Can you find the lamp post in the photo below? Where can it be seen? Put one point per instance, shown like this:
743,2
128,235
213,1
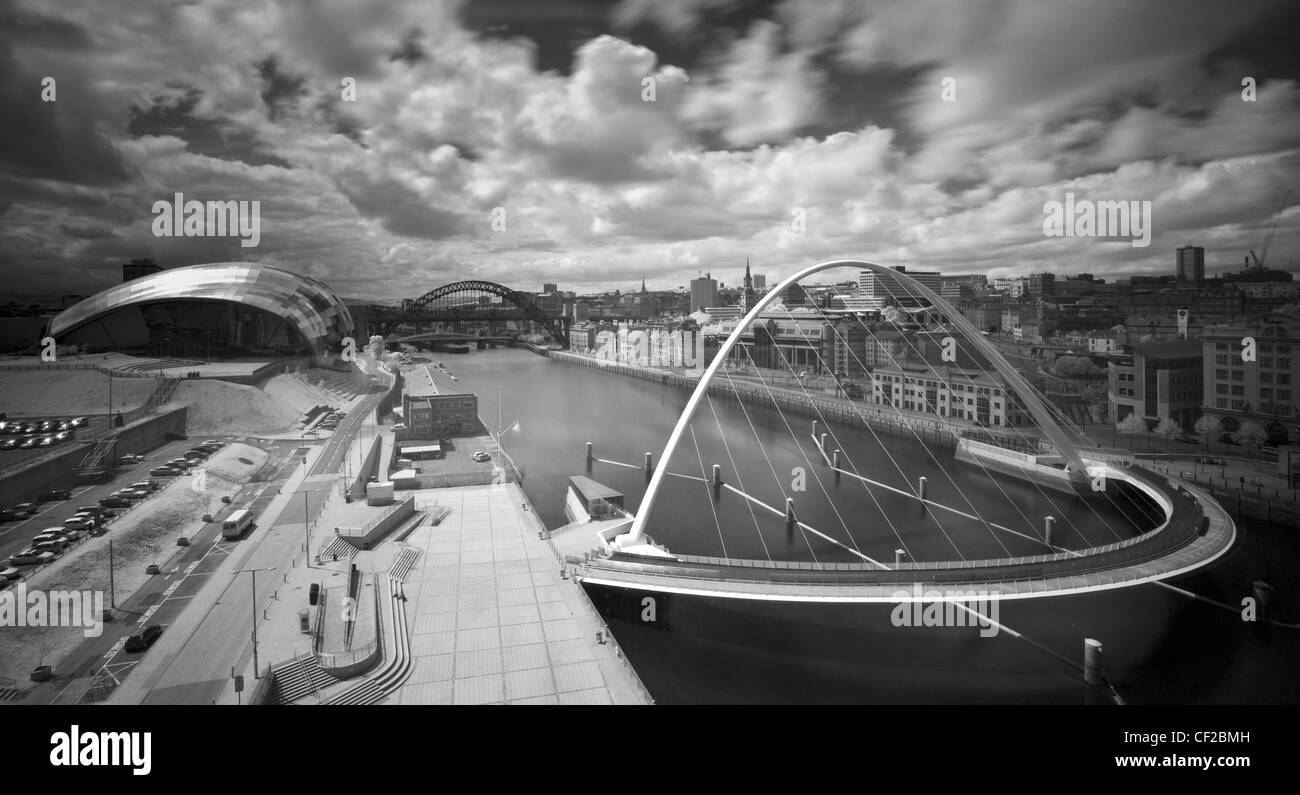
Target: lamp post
253,606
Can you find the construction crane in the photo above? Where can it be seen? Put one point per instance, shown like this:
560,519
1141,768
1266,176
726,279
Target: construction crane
1268,238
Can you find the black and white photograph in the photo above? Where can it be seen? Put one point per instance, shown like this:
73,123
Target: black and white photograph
818,353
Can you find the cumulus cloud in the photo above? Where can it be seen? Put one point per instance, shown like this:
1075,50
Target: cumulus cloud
394,190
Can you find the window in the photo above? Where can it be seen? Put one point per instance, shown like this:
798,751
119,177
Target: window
1266,361
1221,346
1238,375
1266,378
1265,394
1284,349
1284,394
1221,403
1238,389
1284,364
1284,379
1237,405
1221,389
1221,358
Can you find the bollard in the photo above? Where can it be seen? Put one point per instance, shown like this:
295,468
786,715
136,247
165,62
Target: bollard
717,481
835,464
1263,593
1092,661
564,573
600,637
899,554
1049,524
649,466
814,433
821,444
789,513
920,488
589,456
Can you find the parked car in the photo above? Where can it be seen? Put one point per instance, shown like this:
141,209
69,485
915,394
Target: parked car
182,464
27,508
81,522
8,444
481,456
54,495
164,471
151,485
195,455
112,501
79,422
10,515
11,573
30,557
51,542
29,442
96,511
143,640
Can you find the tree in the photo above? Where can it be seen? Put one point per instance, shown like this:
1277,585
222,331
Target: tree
1132,424
1167,429
376,347
1250,434
1208,428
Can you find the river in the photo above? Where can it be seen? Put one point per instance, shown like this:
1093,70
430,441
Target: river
1212,656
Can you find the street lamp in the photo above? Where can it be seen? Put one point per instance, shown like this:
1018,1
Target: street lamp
253,605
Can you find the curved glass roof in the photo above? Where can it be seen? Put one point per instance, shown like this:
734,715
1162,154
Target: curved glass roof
318,314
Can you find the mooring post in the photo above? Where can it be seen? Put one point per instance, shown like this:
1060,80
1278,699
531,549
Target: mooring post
899,554
815,426
920,488
835,464
1092,661
590,456
717,481
1263,593
649,466
789,513
822,442
1049,524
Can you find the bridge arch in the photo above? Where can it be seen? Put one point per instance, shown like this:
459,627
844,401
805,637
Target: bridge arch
556,326
1047,423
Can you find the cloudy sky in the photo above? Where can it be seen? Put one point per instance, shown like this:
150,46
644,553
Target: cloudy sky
535,114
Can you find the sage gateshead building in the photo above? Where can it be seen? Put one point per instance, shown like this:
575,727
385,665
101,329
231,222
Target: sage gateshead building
219,310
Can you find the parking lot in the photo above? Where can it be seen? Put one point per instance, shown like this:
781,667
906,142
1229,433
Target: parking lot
16,536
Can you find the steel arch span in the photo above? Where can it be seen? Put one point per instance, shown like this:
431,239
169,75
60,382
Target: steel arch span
436,304
1015,380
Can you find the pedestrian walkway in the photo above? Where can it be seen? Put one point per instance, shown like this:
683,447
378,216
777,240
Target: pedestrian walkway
493,619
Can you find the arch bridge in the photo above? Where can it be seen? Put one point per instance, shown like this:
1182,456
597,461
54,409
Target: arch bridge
453,307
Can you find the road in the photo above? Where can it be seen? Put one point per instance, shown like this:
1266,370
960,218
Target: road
198,671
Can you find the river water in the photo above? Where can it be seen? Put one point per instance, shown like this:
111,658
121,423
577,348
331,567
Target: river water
1211,656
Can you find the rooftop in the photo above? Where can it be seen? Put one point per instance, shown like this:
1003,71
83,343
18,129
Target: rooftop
421,382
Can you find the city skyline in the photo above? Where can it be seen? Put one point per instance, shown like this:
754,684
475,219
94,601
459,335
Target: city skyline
396,148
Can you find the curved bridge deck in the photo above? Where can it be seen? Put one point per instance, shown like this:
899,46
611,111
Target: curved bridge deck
1197,531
